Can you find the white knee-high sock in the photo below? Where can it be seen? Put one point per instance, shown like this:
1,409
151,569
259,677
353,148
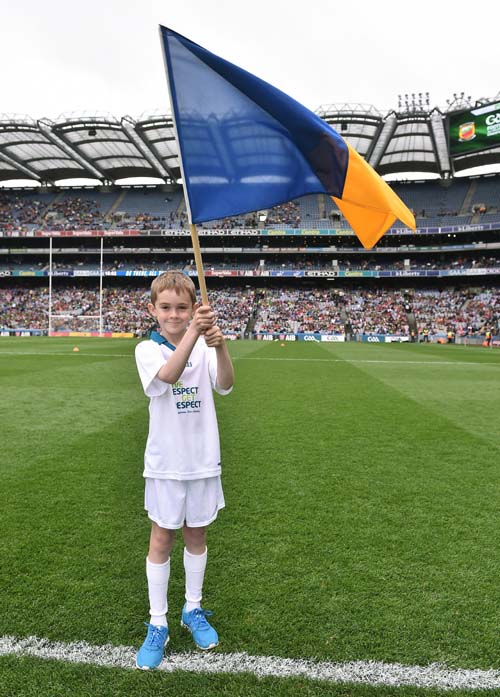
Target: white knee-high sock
158,575
194,566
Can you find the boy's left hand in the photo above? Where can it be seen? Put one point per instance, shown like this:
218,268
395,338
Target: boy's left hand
214,337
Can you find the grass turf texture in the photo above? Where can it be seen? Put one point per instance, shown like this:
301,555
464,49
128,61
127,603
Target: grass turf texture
362,493
25,677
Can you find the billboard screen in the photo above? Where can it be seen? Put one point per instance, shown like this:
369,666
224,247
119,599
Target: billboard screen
474,130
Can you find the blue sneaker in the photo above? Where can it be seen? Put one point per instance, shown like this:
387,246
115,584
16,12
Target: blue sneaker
150,655
204,635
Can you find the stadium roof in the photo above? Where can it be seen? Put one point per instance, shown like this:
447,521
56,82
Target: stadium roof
80,146
105,148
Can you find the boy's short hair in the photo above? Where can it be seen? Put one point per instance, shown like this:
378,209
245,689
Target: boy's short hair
173,280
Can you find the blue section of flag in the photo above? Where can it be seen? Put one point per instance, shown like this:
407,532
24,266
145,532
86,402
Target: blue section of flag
245,145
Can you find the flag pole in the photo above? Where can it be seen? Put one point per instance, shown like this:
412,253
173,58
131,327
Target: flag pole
192,227
199,263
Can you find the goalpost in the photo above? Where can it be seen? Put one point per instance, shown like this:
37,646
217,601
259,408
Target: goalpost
76,319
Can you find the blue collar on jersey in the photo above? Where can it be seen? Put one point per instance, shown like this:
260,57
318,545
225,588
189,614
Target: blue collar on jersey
156,336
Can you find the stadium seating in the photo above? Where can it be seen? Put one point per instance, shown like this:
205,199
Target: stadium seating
274,310
487,192
434,203
467,297
155,204
433,198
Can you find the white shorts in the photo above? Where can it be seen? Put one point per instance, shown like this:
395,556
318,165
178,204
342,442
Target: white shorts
171,503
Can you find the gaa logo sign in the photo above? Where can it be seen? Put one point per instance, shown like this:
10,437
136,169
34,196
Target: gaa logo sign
493,119
467,131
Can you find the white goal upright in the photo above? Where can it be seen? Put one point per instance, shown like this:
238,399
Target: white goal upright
74,322
72,317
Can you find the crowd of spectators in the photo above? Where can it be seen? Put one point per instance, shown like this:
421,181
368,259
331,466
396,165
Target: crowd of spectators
285,214
293,311
20,214
288,310
72,209
146,221
378,311
228,262
73,213
481,309
123,310
17,213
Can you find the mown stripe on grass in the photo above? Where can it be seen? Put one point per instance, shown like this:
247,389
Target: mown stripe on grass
356,360
373,673
84,354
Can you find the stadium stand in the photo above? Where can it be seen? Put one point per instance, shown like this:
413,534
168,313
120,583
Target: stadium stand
149,208
433,203
285,310
486,193
450,277
260,266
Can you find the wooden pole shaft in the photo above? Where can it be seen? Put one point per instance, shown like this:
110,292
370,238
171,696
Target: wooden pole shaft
199,263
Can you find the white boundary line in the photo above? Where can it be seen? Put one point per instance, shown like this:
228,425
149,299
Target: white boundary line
373,673
69,352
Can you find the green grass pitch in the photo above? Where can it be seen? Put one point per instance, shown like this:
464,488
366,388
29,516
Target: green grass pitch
362,487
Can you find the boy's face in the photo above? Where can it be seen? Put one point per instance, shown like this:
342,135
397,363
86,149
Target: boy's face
173,312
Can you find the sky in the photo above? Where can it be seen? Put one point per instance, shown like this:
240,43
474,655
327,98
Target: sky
59,56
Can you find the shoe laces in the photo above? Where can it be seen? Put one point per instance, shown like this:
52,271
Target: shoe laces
199,620
156,639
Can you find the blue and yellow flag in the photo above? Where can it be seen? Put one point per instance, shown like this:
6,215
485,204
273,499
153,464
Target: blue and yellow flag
246,146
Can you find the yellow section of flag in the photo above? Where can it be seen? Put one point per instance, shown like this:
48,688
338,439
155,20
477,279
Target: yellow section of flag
368,203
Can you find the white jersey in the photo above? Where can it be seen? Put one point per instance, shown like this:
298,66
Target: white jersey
183,439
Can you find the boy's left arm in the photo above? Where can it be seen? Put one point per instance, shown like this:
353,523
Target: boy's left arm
225,372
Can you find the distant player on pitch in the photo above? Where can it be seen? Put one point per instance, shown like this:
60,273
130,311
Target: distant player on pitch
179,367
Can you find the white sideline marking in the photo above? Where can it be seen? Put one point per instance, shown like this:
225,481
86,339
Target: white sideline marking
254,358
69,352
435,675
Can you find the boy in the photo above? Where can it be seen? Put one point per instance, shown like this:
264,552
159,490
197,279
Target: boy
179,370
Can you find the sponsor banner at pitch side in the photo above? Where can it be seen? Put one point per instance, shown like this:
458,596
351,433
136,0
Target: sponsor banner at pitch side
384,338
301,336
